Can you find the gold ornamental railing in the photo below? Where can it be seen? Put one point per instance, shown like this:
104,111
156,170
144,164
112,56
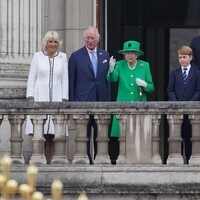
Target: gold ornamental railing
9,188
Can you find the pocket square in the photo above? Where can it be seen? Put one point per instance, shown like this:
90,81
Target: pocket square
105,61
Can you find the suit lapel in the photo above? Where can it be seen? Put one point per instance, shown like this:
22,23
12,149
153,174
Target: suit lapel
99,59
190,75
88,60
180,76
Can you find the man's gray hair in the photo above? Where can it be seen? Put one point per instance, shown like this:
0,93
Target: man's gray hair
91,28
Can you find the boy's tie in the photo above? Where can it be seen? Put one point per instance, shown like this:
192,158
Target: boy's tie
94,62
184,75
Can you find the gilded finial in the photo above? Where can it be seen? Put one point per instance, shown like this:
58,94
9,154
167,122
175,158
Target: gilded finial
25,191
37,196
83,196
32,172
8,187
56,189
11,186
6,163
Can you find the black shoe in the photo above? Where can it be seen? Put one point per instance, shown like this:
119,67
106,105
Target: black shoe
113,162
91,162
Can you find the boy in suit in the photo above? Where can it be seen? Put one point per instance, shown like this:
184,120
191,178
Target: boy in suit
184,85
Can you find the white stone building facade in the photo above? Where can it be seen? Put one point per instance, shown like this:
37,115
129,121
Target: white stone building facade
22,26
23,23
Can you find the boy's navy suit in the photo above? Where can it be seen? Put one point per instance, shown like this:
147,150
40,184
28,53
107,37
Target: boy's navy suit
189,91
178,91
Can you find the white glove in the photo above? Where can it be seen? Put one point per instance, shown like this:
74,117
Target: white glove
141,83
112,63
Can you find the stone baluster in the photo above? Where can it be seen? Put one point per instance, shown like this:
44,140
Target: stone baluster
195,122
1,119
59,139
81,139
102,156
122,140
139,138
156,139
38,139
130,138
175,122
16,140
71,143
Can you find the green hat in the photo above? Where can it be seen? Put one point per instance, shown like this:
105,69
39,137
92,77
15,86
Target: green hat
131,46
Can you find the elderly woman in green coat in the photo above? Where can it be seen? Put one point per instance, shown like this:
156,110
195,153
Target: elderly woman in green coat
133,76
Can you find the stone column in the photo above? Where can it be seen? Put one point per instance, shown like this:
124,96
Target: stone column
156,139
20,36
139,139
80,15
60,139
1,119
102,156
38,139
195,122
81,139
16,140
20,28
175,122
122,140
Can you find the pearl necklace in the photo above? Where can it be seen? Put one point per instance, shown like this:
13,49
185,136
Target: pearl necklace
132,67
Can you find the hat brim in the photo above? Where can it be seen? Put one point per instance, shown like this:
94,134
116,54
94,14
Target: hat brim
131,50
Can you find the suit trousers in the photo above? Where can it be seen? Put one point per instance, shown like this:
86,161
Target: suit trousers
91,124
186,134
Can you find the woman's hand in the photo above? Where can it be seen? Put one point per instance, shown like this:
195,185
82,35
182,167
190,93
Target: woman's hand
112,63
30,99
65,100
141,83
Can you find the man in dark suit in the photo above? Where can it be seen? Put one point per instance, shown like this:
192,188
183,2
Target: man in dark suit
195,46
88,68
184,85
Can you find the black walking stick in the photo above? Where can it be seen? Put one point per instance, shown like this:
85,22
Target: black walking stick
140,88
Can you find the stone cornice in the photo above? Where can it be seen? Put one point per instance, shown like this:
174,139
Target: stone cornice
162,107
14,71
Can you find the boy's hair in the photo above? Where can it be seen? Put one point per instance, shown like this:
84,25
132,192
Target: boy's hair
185,50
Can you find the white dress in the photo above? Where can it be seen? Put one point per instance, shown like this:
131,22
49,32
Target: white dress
47,81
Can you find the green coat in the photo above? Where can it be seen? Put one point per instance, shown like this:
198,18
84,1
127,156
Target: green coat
127,87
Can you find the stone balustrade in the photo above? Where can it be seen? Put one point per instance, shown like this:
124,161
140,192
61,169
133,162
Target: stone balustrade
140,140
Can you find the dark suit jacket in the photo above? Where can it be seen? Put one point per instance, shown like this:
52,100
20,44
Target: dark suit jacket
195,45
83,85
178,91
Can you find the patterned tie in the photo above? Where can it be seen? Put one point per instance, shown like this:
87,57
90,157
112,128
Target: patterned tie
184,75
94,62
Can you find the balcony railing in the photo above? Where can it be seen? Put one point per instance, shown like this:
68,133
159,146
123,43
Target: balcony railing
140,124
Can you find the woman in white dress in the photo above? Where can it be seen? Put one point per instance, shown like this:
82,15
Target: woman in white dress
48,81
